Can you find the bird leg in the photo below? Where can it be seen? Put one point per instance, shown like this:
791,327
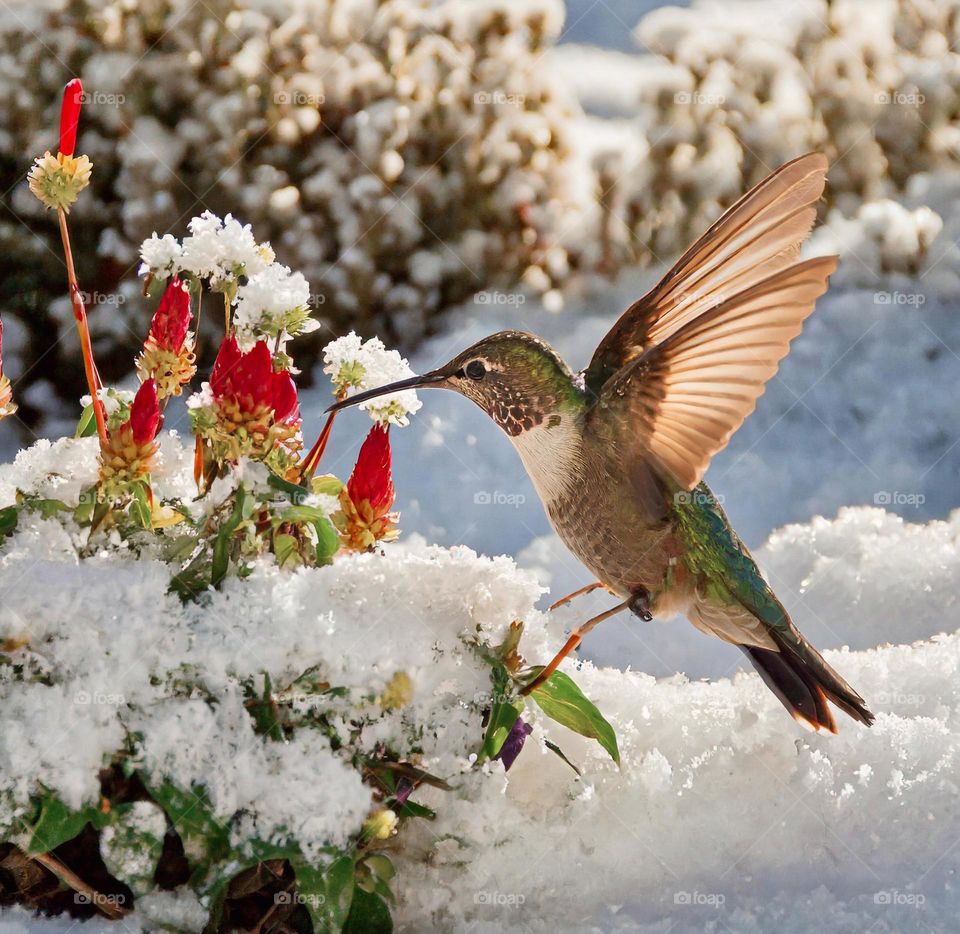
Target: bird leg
639,605
590,588
576,637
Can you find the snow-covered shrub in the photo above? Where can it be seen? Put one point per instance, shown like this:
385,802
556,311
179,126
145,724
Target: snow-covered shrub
403,154
197,715
741,86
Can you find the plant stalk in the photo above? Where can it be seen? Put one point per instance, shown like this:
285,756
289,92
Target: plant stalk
83,329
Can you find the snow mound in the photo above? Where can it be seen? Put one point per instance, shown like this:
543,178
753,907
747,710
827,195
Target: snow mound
724,814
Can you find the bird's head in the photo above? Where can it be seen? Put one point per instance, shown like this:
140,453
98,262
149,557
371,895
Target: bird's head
518,379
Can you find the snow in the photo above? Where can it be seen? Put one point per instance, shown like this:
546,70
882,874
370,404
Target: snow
861,825
725,814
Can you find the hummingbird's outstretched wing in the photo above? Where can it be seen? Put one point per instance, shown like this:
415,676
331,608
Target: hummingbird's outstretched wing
678,403
758,236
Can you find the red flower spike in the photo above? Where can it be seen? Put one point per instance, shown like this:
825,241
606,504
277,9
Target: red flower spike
145,413
371,479
172,319
70,116
248,380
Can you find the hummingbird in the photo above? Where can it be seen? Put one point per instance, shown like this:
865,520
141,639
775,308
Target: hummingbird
617,452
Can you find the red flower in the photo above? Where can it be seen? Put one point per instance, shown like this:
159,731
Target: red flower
70,116
248,382
172,319
166,355
365,518
127,452
371,479
145,413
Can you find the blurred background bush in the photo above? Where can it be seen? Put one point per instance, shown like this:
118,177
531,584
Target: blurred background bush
407,155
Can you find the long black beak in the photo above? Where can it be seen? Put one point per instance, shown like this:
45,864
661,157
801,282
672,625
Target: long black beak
414,382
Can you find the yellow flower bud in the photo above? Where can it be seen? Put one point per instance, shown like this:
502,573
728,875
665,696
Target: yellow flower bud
398,692
380,826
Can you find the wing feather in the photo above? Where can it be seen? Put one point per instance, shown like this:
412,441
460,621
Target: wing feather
687,395
758,236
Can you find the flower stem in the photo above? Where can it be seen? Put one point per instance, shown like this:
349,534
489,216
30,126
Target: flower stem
310,462
196,327
83,329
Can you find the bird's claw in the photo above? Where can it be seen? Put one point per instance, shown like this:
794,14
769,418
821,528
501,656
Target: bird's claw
640,606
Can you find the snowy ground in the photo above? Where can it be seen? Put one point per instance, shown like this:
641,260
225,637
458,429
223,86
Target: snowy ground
725,815
789,831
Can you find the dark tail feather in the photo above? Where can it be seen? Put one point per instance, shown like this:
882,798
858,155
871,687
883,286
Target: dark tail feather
804,683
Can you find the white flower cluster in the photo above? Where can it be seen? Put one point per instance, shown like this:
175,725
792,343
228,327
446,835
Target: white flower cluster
269,300
216,250
355,365
403,155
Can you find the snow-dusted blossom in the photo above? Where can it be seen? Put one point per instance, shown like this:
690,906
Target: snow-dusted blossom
7,405
223,250
126,455
273,303
202,251
115,402
168,355
355,365
366,499
218,250
239,249
160,256
248,409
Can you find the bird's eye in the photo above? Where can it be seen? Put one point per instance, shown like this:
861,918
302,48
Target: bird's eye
475,369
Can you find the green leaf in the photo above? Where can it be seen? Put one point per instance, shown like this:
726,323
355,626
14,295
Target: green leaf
101,512
48,508
327,484
303,514
561,700
327,540
264,710
83,514
327,893
224,539
87,425
502,719
8,521
369,914
57,823
140,510
192,581
295,493
285,549
412,809
504,712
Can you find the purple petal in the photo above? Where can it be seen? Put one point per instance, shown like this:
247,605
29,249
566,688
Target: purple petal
514,743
